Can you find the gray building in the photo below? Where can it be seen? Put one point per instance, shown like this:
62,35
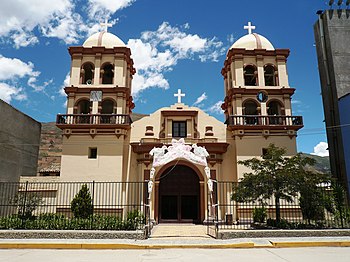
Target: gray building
332,35
19,140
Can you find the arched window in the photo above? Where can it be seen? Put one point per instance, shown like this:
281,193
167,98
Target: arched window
270,75
107,106
274,110
107,74
107,111
87,74
83,107
250,110
250,78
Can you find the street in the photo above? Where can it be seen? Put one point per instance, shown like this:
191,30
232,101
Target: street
309,254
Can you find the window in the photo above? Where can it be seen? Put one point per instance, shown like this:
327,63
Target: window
92,152
250,110
270,75
179,129
87,74
250,75
265,153
274,108
84,107
107,74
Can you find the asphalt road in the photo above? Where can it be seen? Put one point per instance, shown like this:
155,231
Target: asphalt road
319,254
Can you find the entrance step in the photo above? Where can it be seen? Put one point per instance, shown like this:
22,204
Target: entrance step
179,230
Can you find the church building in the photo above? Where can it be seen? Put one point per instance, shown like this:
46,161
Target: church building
179,150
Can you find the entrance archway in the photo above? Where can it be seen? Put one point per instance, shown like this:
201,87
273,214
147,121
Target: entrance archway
179,195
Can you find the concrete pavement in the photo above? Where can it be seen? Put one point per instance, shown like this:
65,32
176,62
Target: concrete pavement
309,254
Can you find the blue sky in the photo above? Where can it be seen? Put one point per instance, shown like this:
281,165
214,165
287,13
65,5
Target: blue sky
175,44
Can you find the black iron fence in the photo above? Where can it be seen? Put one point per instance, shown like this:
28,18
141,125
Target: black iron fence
96,205
323,212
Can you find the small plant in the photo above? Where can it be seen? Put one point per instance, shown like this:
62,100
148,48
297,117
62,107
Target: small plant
81,204
26,204
259,214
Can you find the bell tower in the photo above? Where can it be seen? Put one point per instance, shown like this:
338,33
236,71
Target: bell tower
257,101
97,124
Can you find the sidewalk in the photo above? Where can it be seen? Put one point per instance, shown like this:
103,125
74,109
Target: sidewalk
174,242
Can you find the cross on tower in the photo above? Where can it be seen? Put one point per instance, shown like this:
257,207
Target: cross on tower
249,27
106,25
179,95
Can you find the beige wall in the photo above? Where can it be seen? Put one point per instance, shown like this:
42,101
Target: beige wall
76,166
251,146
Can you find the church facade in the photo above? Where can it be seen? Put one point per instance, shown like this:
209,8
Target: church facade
104,141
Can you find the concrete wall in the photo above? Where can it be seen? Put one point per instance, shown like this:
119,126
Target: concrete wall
20,139
332,34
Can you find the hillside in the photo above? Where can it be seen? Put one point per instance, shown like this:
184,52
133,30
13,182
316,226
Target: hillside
51,148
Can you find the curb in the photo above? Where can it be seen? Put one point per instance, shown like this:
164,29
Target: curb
182,246
311,244
119,246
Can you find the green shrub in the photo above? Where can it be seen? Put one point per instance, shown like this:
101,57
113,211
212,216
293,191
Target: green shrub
81,204
259,214
51,221
26,204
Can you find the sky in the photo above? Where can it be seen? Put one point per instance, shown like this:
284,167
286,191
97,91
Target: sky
174,44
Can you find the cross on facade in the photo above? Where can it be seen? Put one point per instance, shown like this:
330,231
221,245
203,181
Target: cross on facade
179,95
249,27
106,25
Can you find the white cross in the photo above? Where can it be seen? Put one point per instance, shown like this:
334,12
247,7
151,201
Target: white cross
249,27
179,95
106,25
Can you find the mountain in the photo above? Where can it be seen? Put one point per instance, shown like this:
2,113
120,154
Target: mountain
322,164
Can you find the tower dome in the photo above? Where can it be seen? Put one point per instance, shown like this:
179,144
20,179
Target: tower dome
253,41
104,39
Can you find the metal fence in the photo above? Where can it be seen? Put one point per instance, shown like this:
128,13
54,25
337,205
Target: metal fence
115,205
227,214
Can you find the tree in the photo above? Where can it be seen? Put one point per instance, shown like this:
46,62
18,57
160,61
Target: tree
312,202
274,175
81,204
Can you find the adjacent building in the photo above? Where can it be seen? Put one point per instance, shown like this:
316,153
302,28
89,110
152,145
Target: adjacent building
19,139
332,35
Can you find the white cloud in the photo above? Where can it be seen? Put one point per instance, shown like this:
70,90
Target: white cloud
201,99
216,108
7,93
296,102
65,83
157,52
103,8
52,18
14,68
22,22
321,149
13,71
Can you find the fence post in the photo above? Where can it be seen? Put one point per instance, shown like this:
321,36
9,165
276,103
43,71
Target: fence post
92,202
24,203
